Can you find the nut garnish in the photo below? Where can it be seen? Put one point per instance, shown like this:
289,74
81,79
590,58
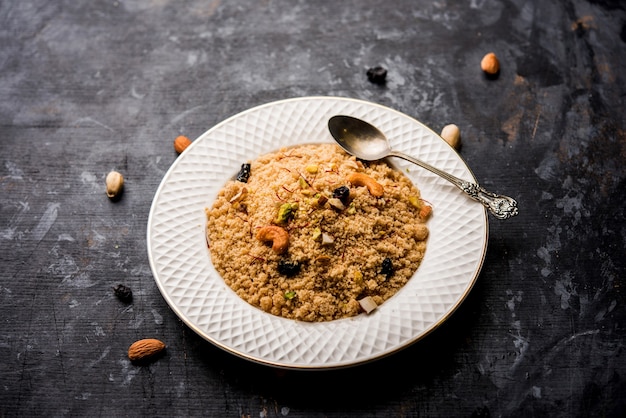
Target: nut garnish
181,143
490,64
452,135
145,349
276,235
368,304
360,179
114,183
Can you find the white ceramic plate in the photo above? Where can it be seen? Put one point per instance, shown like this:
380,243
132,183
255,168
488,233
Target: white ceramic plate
181,262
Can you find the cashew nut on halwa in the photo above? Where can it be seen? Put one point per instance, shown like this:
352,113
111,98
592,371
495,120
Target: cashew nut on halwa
276,235
360,179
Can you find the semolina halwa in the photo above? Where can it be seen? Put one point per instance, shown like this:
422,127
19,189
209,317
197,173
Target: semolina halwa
307,232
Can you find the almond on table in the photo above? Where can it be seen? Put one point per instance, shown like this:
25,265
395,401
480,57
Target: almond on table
145,349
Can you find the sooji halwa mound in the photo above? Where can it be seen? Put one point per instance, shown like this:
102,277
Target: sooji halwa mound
310,233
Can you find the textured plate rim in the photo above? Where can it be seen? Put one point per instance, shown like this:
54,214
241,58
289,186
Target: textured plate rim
259,358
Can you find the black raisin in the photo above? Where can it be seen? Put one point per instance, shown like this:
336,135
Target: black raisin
377,75
387,269
244,173
342,193
123,293
288,268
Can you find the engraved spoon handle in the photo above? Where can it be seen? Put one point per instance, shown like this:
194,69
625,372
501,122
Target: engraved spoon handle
502,207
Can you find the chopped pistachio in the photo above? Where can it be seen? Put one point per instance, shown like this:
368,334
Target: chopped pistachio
286,212
320,200
311,168
303,184
415,202
351,208
317,234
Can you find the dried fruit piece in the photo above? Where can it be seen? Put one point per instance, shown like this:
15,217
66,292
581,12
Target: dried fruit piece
114,183
425,211
342,193
238,195
319,201
244,173
336,203
276,235
145,349
368,304
323,259
452,135
327,239
286,212
490,64
361,179
123,293
377,75
288,268
387,267
181,143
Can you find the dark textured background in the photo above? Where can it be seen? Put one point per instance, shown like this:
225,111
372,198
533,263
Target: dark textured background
87,87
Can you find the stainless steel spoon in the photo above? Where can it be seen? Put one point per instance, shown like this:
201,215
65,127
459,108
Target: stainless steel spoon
366,142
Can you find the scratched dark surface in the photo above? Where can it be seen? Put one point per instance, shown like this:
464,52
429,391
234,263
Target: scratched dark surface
87,87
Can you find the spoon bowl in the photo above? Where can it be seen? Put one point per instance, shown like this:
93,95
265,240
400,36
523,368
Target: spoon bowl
368,143
359,138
